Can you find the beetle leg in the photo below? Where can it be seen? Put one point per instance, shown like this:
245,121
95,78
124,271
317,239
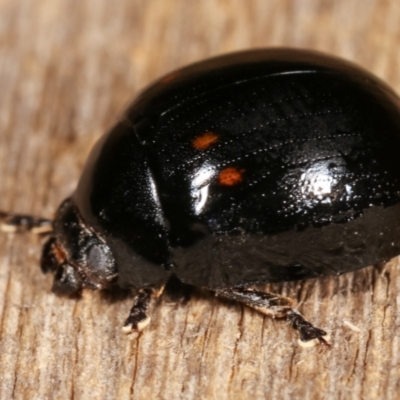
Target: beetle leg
12,223
276,306
157,292
138,318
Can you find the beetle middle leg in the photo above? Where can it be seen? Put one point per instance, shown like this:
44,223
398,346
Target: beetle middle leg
11,223
138,318
276,306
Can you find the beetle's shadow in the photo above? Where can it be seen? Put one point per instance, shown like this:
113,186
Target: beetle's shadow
351,283
116,294
175,291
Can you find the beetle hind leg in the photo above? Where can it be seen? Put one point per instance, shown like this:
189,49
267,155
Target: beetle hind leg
16,223
276,306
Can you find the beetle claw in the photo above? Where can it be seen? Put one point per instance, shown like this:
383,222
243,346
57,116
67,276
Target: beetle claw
323,341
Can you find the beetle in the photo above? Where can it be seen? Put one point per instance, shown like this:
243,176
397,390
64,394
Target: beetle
259,166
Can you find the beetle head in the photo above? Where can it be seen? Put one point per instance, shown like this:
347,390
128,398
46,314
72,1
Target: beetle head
76,255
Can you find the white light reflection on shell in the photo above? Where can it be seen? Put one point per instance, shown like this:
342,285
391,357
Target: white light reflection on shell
200,186
318,182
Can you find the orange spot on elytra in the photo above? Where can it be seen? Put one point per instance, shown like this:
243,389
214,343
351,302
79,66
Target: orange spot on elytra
204,141
230,176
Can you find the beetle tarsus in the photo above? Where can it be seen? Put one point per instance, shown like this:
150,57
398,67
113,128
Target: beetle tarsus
16,223
306,329
138,318
276,306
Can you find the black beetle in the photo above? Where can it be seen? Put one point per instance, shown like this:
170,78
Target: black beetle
254,167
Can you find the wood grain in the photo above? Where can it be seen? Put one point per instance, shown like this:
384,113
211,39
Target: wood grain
67,68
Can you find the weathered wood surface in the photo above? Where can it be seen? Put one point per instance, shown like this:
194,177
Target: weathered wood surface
67,68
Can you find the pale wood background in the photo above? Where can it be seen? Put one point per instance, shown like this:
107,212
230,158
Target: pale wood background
67,68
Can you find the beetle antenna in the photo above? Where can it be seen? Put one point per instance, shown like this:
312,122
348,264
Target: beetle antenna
16,223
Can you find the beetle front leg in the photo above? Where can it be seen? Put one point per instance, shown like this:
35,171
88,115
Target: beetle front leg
16,223
138,318
276,306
